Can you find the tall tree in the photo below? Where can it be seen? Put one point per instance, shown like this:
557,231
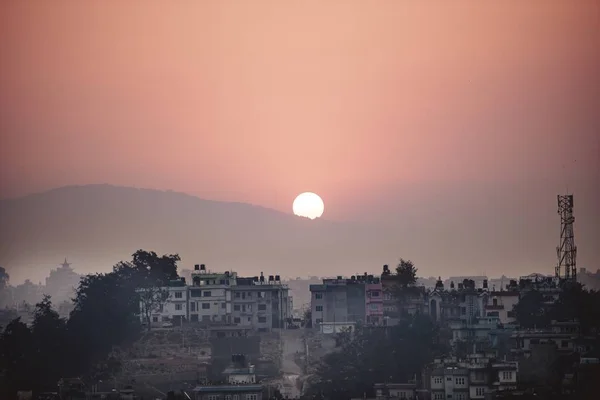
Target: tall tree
150,274
50,345
531,311
4,278
406,273
16,355
373,355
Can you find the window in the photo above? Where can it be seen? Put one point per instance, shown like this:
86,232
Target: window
460,380
236,397
449,379
206,306
460,396
178,295
206,293
262,307
249,295
506,375
319,308
479,391
243,308
236,307
161,308
154,319
236,320
252,396
318,296
375,294
262,320
438,396
192,306
178,307
212,397
438,380
564,344
463,310
196,293
227,397
223,305
237,295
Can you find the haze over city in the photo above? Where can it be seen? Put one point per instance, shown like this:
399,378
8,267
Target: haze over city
439,132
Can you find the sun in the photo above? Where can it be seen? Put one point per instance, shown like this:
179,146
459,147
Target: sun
308,205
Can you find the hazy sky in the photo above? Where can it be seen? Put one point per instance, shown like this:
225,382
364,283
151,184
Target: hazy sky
256,101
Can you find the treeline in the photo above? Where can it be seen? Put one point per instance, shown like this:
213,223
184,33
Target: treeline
105,316
535,310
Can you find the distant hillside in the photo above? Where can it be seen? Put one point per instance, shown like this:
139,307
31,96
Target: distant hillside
489,230
95,226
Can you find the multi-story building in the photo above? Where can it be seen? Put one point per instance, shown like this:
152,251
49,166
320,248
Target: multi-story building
501,306
474,377
341,303
210,295
225,298
263,304
374,303
563,334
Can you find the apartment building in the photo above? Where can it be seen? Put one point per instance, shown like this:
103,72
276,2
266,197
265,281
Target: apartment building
475,377
344,302
563,334
501,305
227,299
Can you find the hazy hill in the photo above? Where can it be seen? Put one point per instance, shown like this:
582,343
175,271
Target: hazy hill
97,225
491,229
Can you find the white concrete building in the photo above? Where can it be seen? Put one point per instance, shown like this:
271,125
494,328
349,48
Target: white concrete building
224,298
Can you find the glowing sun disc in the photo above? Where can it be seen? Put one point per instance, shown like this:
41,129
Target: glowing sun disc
308,205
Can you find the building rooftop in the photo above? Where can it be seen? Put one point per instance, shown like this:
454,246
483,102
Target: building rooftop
228,388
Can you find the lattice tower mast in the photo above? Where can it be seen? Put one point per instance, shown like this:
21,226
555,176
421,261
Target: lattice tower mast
566,251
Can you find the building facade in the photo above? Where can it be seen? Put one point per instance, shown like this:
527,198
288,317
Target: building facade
343,301
226,299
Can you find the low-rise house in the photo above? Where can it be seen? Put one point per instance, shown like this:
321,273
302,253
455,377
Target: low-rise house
387,391
240,384
563,334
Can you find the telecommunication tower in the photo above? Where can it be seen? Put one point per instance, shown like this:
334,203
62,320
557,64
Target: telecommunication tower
566,251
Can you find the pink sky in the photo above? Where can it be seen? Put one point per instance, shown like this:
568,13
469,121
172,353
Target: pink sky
256,101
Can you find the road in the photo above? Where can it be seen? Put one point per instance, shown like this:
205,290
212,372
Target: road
292,372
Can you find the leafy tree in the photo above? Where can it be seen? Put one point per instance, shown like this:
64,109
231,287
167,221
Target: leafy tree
152,298
107,306
406,273
150,274
308,318
16,351
4,278
49,342
395,353
402,284
531,312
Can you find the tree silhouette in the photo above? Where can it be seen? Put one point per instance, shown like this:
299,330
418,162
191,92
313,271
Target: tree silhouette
531,312
406,273
4,278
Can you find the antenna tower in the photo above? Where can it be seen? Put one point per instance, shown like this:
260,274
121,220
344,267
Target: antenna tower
566,251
